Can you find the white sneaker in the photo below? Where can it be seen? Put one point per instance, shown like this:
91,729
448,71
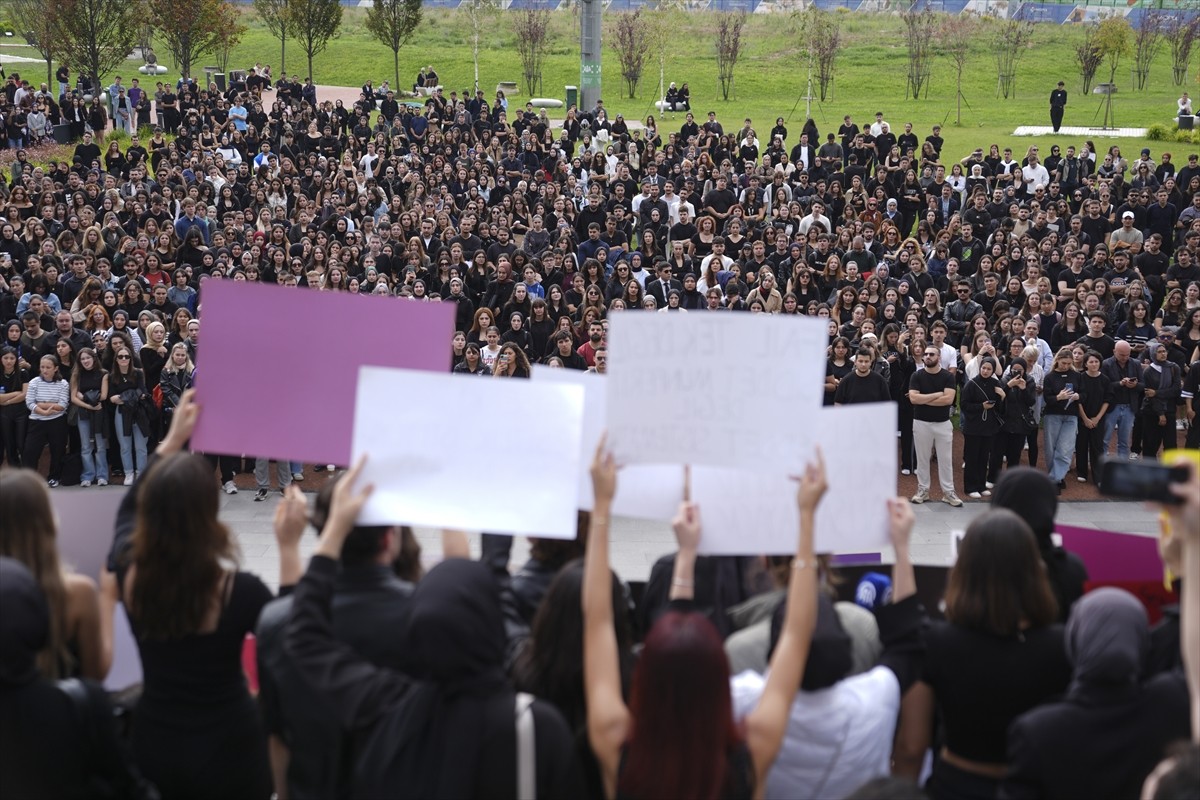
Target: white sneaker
1081,479
102,481
975,495
906,472
229,487
84,484
129,479
1134,457
990,485
920,497
987,492
951,499
331,468
297,476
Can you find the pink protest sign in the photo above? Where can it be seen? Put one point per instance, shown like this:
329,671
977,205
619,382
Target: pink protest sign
277,368
1111,556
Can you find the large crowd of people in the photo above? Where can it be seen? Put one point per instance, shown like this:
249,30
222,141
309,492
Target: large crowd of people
1049,301
1018,270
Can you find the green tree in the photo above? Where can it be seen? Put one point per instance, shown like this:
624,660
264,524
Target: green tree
393,22
230,34
313,23
95,36
36,25
1114,41
189,29
479,13
274,15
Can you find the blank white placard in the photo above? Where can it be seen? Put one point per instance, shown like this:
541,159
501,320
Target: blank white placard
690,388
516,473
748,513
646,491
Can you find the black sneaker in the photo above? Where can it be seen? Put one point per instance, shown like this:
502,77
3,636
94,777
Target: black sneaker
260,495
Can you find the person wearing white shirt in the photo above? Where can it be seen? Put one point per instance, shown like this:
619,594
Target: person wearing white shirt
840,729
231,155
877,125
1185,106
815,215
1035,175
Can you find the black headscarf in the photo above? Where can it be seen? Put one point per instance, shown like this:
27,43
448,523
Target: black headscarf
24,623
1108,637
432,743
1031,495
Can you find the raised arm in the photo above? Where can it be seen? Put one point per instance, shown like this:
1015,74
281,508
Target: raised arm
360,691
1185,522
767,723
686,526
607,715
291,518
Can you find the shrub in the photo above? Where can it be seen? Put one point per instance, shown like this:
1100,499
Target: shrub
1159,132
1185,137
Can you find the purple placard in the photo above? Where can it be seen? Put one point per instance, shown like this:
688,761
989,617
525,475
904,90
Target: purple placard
1112,556
851,559
277,367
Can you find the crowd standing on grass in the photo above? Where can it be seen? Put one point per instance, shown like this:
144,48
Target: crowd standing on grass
1060,291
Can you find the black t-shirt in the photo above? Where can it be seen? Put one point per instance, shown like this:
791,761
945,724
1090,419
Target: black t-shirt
854,389
925,382
1103,345
1152,264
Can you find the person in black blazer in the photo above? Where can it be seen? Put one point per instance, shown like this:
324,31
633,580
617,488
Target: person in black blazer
659,289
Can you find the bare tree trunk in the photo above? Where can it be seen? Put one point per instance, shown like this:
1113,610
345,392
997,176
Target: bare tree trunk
475,51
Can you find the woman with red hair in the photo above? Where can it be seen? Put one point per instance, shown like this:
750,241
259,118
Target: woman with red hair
677,737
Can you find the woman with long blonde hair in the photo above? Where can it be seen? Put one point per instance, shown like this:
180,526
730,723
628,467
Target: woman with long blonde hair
80,640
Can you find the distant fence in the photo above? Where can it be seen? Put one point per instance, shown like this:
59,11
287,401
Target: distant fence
1057,12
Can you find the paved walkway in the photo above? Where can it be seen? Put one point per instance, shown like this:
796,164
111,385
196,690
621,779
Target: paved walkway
637,544
1107,133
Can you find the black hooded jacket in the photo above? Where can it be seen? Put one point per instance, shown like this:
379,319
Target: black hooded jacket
450,732
1030,494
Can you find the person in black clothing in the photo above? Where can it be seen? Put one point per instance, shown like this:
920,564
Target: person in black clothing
448,729
982,420
563,346
1106,735
863,385
1162,385
1030,493
1093,405
1058,102
58,739
308,750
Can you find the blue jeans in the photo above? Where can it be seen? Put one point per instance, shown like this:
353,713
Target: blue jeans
131,445
1120,418
93,453
1059,432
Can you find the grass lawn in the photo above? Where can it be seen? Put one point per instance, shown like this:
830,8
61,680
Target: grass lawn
770,77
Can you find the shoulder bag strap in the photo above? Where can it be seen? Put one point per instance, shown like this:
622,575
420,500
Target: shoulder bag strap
526,748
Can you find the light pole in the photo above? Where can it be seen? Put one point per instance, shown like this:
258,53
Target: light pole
589,54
